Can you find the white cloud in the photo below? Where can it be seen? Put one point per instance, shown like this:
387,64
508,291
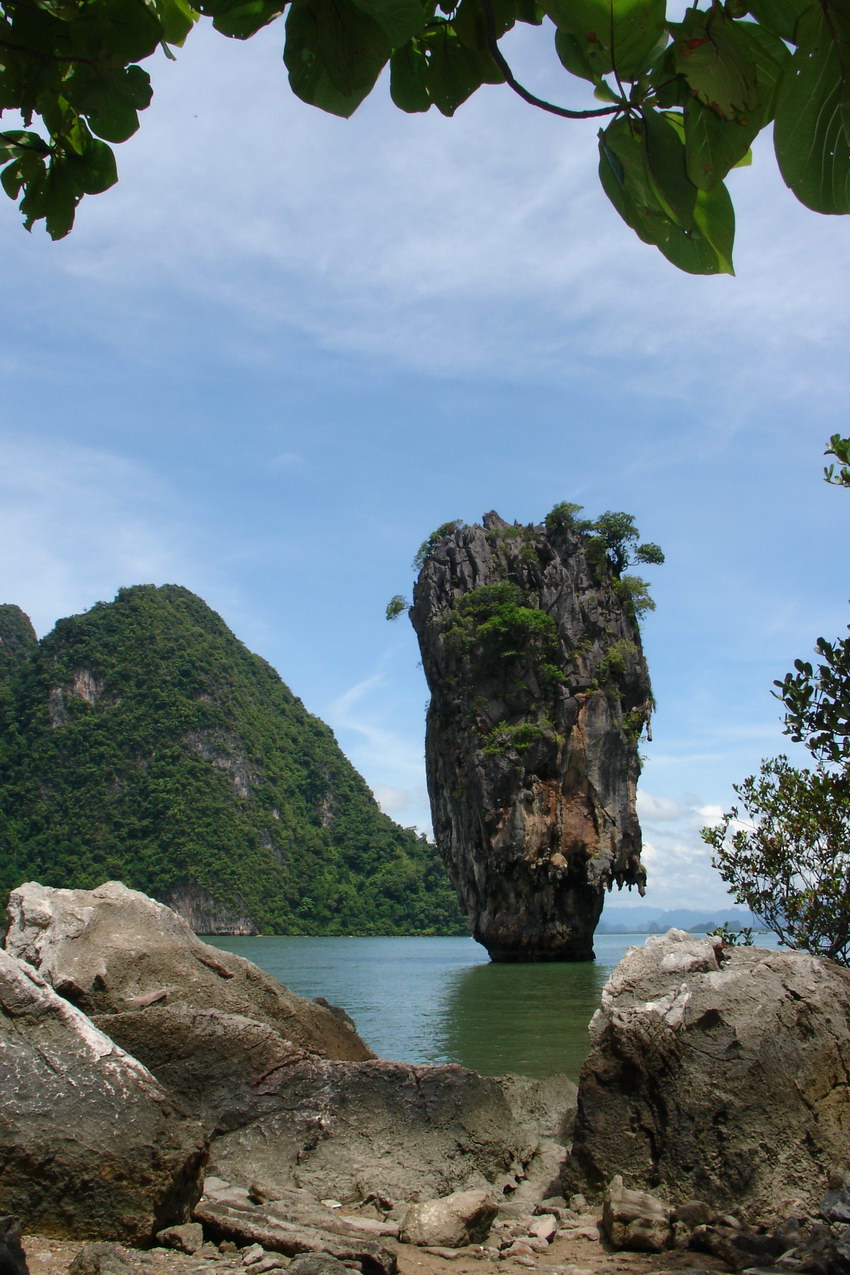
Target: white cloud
359,718
657,809
286,460
77,523
678,862
480,243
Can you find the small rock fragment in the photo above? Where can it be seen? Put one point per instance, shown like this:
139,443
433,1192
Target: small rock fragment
101,1259
186,1238
544,1227
635,1220
451,1222
317,1264
252,1254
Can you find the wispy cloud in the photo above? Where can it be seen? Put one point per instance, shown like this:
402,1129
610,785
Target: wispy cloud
78,523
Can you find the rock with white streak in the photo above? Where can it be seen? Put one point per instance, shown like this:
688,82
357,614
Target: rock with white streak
718,1073
90,1143
114,951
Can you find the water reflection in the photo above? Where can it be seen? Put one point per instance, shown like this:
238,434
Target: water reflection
439,1000
530,1019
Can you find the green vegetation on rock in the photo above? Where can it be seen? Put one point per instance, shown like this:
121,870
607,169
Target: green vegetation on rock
142,741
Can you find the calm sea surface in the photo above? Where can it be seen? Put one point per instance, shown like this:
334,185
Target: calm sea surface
438,1000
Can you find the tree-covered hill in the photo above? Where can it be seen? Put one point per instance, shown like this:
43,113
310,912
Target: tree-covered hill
142,741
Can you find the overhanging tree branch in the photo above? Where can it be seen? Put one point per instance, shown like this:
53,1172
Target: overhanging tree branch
513,83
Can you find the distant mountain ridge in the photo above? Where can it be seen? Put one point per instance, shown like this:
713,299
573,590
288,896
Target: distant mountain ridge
648,920
142,741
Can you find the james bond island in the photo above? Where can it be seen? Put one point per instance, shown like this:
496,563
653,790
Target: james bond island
539,696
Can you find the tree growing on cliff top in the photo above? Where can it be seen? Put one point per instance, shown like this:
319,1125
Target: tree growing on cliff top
679,102
789,859
610,540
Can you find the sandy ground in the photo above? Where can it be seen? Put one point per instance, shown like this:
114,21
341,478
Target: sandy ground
564,1256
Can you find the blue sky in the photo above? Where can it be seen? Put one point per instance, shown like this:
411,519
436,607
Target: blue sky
286,347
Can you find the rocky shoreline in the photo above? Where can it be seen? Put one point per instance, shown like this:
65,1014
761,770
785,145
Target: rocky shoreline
170,1107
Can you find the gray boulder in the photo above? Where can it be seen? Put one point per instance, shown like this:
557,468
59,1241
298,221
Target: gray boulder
349,1130
718,1073
90,1143
115,951
225,1069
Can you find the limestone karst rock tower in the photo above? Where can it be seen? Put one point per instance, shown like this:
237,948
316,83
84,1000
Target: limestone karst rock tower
539,695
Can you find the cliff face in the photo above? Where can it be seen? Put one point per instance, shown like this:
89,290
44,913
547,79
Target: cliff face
539,693
142,741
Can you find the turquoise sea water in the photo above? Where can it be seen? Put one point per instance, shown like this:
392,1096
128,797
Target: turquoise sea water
438,1000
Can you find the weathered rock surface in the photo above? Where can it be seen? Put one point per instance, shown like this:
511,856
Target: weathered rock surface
206,915
350,1129
720,1074
115,951
539,691
225,1069
90,1143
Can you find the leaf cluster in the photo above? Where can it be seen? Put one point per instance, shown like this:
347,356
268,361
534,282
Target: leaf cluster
683,100
817,702
839,448
611,544
786,854
142,741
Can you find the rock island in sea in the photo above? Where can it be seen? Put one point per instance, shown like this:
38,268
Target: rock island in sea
539,695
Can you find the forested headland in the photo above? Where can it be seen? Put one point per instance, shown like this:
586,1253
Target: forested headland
142,741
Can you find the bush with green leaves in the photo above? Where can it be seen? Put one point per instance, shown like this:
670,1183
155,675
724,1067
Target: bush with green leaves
788,858
680,98
785,852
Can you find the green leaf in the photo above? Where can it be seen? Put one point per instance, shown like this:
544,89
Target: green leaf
176,17
54,199
665,155
110,98
812,129
779,16
122,31
409,78
96,171
334,53
400,20
714,144
242,20
619,35
715,218
632,187
770,56
573,56
455,71
471,28
716,59
669,87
